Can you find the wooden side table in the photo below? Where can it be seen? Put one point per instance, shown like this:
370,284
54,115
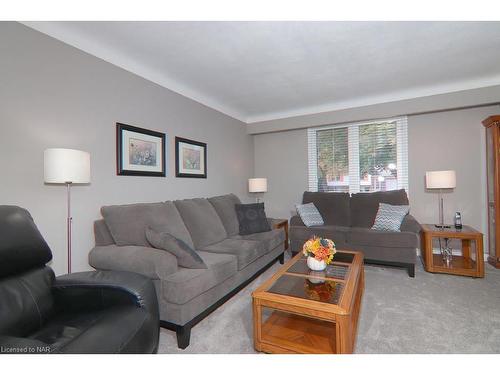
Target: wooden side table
282,223
464,264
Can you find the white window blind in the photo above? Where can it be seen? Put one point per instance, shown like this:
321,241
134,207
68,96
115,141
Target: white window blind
359,157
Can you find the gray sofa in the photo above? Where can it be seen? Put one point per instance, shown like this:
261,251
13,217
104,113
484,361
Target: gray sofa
211,227
348,219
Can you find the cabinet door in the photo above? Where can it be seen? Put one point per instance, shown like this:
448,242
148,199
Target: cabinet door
491,160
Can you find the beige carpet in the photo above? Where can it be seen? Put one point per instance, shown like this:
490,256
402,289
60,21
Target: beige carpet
431,313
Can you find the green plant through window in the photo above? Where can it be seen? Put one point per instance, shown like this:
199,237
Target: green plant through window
359,157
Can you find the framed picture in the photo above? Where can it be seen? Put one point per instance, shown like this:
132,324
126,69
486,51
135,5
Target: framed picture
139,152
190,158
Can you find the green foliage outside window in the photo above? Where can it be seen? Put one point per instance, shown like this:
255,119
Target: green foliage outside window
377,151
377,147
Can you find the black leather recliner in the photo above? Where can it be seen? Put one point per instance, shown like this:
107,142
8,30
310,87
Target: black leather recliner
85,312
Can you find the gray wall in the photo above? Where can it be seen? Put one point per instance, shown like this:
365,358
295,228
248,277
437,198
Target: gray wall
444,140
53,95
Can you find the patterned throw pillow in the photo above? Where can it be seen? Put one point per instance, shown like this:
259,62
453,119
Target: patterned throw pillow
389,217
309,214
252,218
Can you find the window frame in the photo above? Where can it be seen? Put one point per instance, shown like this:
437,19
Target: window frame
353,152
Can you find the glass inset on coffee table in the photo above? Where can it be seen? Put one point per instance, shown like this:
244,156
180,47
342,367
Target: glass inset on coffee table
304,311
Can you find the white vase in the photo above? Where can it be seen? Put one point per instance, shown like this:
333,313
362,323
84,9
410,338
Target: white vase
317,277
315,265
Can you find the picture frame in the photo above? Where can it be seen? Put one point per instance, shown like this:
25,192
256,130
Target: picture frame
140,152
190,158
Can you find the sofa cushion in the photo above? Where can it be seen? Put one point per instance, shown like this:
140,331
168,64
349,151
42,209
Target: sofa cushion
224,205
269,239
245,250
389,217
336,233
364,206
102,234
186,284
252,218
202,221
128,223
369,237
186,256
333,207
309,214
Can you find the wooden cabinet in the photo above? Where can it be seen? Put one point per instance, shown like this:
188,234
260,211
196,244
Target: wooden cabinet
492,125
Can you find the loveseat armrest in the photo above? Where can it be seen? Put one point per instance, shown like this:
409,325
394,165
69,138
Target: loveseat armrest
153,263
410,224
296,221
102,289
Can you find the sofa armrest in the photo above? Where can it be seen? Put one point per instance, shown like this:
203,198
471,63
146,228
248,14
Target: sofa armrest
153,263
410,224
101,289
296,221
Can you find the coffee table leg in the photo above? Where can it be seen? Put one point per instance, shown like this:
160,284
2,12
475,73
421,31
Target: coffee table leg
343,344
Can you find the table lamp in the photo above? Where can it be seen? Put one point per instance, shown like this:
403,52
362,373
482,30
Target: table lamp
440,180
257,185
68,167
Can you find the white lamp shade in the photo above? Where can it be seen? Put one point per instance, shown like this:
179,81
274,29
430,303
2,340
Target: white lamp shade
257,185
440,180
63,165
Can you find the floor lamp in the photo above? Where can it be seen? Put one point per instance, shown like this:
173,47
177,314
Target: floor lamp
68,167
440,180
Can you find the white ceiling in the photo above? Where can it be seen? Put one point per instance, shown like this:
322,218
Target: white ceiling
256,71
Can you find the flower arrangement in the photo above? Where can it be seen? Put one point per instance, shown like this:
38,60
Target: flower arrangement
321,249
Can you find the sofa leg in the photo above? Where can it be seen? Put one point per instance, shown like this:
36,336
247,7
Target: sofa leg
411,270
183,335
281,258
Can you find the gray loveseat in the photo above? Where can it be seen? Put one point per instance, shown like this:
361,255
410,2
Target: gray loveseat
348,219
210,226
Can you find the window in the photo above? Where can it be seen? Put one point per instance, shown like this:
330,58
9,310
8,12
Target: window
360,157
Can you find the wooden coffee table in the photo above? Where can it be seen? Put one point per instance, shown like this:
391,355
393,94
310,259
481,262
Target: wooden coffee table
302,311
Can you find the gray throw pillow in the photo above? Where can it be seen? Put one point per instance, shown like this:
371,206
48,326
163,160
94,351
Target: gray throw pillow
186,257
309,214
252,218
389,217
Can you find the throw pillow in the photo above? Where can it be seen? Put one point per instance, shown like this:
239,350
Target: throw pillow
309,214
252,218
186,257
389,217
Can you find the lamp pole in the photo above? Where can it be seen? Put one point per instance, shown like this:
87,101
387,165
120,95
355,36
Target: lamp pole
441,208
69,222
